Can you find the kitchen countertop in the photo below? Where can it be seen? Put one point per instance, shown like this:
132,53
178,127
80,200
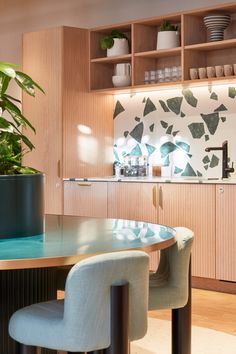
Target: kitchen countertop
150,179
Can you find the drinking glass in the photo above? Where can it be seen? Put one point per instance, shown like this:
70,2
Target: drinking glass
174,73
167,74
160,75
146,77
152,77
179,73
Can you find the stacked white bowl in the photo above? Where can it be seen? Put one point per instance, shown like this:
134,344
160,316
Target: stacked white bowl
216,23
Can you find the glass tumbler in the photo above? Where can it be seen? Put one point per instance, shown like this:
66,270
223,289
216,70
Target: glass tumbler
174,73
167,74
146,77
160,75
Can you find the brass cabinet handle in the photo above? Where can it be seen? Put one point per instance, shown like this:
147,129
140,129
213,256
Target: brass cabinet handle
84,184
59,168
155,196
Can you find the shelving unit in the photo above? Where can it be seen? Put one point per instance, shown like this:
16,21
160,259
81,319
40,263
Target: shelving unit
195,50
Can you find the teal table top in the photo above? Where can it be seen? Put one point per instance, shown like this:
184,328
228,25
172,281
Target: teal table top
68,239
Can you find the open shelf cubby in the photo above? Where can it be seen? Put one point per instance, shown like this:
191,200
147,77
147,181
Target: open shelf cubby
195,50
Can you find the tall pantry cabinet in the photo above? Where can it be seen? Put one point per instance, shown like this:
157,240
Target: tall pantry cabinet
74,128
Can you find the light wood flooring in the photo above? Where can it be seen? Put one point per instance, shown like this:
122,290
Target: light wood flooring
209,309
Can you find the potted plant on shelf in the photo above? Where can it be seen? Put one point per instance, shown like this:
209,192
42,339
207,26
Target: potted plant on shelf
168,36
21,187
116,43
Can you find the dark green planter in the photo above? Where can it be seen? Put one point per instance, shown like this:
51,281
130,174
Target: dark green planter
21,205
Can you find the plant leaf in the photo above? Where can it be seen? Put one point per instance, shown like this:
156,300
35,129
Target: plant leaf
26,83
4,82
27,170
27,142
16,114
12,98
4,124
106,42
8,69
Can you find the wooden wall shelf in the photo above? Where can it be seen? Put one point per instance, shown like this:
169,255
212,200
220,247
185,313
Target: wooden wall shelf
195,51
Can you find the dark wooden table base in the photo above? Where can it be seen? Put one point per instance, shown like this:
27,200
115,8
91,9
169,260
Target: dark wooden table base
19,288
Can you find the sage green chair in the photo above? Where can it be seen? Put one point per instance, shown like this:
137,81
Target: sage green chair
168,286
82,322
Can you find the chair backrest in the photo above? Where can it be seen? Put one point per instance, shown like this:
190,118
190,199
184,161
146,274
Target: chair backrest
87,296
172,272
178,257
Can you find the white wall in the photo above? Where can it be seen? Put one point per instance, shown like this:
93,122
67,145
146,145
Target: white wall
19,16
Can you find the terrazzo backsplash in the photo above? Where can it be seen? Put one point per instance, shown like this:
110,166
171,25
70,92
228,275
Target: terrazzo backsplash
173,128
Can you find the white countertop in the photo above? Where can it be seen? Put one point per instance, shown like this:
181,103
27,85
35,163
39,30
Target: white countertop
155,180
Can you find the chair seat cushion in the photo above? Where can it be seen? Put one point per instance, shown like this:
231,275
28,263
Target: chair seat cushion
40,324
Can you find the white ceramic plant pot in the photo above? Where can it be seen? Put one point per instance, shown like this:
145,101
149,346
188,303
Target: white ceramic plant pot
167,39
120,47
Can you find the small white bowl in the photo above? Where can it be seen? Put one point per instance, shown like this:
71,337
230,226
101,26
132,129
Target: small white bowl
121,80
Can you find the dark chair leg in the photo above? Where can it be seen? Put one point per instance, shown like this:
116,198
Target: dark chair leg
28,349
182,323
119,320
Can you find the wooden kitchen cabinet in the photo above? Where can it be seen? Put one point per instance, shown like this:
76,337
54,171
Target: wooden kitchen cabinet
225,232
192,206
85,198
135,201
74,127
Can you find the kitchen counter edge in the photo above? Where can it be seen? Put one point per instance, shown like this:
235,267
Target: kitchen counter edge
193,180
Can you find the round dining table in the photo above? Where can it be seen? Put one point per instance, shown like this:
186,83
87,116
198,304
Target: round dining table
28,265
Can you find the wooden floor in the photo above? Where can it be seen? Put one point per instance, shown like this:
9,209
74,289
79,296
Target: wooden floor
209,309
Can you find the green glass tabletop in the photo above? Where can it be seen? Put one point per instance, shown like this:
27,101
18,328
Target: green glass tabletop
67,236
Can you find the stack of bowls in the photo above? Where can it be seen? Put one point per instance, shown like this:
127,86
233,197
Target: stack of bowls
216,23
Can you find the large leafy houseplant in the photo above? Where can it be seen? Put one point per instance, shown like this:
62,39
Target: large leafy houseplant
21,187
13,143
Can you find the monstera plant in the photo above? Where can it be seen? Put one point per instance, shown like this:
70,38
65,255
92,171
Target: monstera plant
21,187
13,142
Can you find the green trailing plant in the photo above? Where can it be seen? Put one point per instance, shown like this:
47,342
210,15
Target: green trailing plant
13,143
167,26
107,41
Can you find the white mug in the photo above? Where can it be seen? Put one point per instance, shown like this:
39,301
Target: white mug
202,73
123,69
211,71
219,70
228,70
193,73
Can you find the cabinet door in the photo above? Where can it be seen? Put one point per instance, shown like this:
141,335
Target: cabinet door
87,116
135,201
225,232
42,60
192,206
85,199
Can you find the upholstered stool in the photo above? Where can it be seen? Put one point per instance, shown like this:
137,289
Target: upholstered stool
168,286
100,291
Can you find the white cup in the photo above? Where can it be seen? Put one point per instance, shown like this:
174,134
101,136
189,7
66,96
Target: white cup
219,70
193,73
123,69
211,71
228,69
202,73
